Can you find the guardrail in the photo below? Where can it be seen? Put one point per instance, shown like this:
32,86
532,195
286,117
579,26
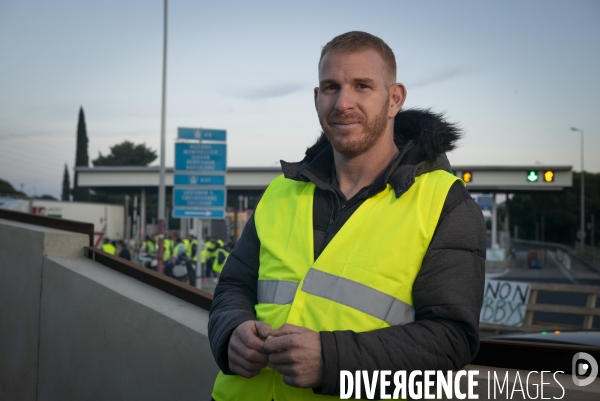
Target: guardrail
553,245
164,283
589,253
589,312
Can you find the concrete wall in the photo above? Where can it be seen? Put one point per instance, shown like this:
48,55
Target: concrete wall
72,329
22,251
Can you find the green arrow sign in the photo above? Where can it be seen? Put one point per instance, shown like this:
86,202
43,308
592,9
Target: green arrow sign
532,176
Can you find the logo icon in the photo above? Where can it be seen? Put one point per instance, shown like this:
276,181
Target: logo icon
590,366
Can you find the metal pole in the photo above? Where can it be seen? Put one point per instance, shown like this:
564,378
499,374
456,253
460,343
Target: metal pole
582,197
593,237
127,226
135,219
143,214
582,222
494,222
198,227
161,185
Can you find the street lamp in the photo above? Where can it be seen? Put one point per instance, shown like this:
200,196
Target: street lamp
161,182
582,192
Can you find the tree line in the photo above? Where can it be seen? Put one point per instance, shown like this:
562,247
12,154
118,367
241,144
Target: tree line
125,153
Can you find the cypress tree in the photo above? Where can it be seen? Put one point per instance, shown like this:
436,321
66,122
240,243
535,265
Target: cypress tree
66,184
81,158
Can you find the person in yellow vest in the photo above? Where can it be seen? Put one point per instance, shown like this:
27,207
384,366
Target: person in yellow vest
148,246
167,248
194,256
186,243
366,255
221,255
108,247
189,243
211,247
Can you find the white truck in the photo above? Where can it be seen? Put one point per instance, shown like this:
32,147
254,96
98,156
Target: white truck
108,220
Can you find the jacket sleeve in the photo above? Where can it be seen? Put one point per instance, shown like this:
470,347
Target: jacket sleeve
235,295
447,297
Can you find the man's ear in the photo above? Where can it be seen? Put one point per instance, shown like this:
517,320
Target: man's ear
316,94
397,98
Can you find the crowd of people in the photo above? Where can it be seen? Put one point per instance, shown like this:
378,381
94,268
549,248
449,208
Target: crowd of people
179,251
118,248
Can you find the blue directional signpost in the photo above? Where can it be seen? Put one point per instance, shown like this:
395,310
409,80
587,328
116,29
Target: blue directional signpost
200,134
200,167
204,198
199,181
200,157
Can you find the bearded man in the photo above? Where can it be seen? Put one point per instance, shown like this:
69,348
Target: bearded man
366,255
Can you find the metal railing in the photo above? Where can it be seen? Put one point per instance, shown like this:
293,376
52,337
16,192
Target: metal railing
164,283
589,253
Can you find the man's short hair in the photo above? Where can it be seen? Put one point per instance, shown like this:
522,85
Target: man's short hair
355,41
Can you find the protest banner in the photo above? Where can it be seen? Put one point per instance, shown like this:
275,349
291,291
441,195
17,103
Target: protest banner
504,302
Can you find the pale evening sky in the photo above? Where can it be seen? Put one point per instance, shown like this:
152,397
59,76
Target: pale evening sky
516,75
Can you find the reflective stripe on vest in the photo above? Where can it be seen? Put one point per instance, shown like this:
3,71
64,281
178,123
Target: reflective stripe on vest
340,290
362,280
276,291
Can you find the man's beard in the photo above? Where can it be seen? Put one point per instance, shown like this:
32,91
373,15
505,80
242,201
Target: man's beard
372,132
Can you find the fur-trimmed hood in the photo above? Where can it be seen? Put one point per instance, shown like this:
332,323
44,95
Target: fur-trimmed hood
430,131
422,137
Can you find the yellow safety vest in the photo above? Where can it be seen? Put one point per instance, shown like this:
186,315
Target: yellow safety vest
109,248
218,267
211,248
149,247
362,281
178,249
189,246
167,243
202,256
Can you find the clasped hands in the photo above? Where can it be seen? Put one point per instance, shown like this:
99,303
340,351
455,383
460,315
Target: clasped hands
293,351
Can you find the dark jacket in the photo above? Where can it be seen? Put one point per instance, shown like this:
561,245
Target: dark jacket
447,293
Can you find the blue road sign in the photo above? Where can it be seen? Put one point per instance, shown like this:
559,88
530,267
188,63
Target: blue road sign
485,202
200,157
212,180
202,134
198,197
199,213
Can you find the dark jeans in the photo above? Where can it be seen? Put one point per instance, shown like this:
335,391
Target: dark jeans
209,270
169,269
191,272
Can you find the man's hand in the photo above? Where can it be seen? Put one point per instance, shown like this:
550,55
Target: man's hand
295,352
245,352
